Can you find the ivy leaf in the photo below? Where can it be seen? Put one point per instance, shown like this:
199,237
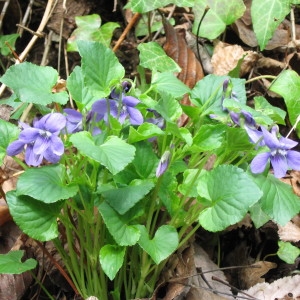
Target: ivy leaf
88,28
164,243
45,184
220,14
230,191
266,16
111,258
115,154
100,68
287,85
11,263
153,57
124,198
278,201
123,234
143,6
35,218
33,84
8,133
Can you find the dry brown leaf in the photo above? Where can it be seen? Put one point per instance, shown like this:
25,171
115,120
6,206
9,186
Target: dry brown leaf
226,58
251,276
191,69
289,232
279,289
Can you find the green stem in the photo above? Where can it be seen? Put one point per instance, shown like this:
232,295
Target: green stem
261,77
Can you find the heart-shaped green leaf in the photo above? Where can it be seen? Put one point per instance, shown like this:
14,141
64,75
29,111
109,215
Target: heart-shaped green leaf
115,154
45,184
123,234
230,191
33,84
164,243
35,218
111,259
10,263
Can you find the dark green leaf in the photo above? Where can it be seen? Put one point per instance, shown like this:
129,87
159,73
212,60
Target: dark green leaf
124,198
35,218
123,234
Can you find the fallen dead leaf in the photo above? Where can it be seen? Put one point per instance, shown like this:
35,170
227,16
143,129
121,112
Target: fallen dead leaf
289,232
191,69
226,57
252,275
279,289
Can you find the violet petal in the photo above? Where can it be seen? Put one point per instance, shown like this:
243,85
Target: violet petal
259,162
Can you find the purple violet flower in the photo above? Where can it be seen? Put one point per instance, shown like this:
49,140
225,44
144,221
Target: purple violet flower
74,120
163,164
280,155
119,110
41,140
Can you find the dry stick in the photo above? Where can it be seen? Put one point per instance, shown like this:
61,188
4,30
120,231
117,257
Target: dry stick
42,25
231,286
132,22
26,16
61,270
3,12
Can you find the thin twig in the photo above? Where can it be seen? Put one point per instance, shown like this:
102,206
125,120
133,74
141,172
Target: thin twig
132,22
3,12
61,270
40,29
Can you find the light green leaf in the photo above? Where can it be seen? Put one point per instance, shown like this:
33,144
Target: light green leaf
111,259
33,84
124,198
115,154
144,132
231,192
287,85
153,57
123,234
188,188
46,184
207,93
35,218
209,137
287,252
167,83
164,243
100,68
11,263
143,6
278,200
8,133
88,29
266,16
275,113
258,216
168,107
220,14
11,40
79,92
